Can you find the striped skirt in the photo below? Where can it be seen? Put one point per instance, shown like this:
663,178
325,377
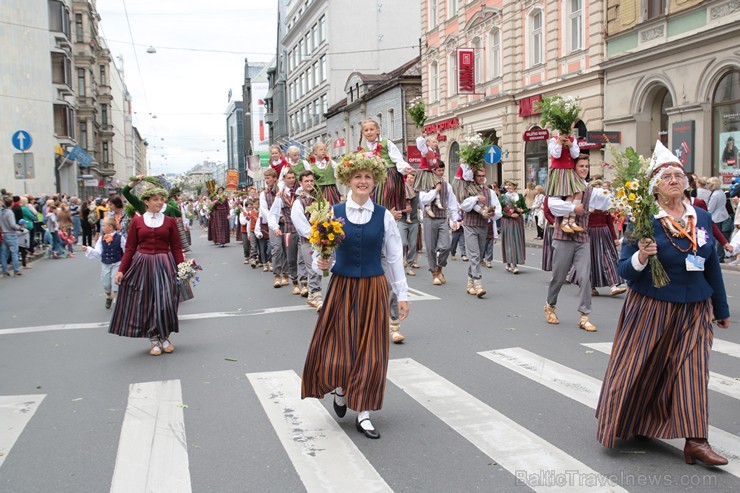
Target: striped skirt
656,381
331,194
349,348
148,298
564,182
425,180
218,226
391,194
512,240
184,236
463,189
604,259
547,248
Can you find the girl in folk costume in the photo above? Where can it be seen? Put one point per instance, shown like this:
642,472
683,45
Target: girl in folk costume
349,349
390,193
425,178
514,209
297,165
218,224
109,249
148,294
278,161
324,172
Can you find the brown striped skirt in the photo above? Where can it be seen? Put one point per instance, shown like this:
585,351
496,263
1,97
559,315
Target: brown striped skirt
218,225
425,180
463,189
604,258
547,247
148,298
331,194
563,182
512,240
349,348
656,381
391,193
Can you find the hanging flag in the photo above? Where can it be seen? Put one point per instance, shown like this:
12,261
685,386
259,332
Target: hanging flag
465,71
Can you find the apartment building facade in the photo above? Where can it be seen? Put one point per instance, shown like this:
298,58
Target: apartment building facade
522,51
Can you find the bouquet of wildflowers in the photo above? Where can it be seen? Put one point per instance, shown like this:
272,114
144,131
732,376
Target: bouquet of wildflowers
509,204
559,113
417,111
188,270
474,150
632,199
327,232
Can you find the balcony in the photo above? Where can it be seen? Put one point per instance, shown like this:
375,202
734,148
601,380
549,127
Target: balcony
106,130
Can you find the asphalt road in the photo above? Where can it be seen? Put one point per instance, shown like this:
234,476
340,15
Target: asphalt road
464,410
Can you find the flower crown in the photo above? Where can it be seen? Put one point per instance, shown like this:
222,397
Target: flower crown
361,161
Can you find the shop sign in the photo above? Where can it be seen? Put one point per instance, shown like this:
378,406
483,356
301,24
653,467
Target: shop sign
438,127
527,106
338,143
536,134
441,138
604,138
465,71
413,155
683,143
232,179
585,145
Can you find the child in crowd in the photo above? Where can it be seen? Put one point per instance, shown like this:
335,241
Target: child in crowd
323,169
562,180
109,249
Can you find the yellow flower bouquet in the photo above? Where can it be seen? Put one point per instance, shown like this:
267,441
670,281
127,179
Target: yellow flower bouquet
327,232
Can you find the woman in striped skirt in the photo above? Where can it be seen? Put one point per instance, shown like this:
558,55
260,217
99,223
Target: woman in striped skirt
218,224
148,294
349,349
656,382
512,228
549,225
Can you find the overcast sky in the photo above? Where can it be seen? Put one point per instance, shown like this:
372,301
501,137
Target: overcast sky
186,83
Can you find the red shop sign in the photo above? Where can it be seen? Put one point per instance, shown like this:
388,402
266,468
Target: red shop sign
413,156
465,71
438,127
338,143
527,105
536,134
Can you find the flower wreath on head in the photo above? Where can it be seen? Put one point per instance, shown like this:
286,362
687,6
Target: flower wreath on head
360,161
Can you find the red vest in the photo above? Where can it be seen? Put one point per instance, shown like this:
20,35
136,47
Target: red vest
564,161
429,161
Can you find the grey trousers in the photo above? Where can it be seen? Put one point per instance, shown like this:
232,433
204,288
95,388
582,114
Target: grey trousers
475,247
291,256
279,257
314,279
564,255
437,242
253,247
409,237
393,300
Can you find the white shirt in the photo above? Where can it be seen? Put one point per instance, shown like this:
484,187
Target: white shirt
392,248
421,144
298,216
471,202
561,208
97,250
264,211
393,153
273,216
244,221
556,150
453,207
153,219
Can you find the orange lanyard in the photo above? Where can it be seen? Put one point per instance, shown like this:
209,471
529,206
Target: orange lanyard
690,234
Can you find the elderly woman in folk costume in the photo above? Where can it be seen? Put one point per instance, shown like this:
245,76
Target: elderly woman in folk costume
514,209
656,382
148,295
349,349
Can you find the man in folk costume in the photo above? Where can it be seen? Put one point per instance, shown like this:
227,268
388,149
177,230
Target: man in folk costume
573,249
480,206
282,227
267,198
443,204
301,222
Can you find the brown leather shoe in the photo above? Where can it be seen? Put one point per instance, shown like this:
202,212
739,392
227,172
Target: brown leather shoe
550,314
699,449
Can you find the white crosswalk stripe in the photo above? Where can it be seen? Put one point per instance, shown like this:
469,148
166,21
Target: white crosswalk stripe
515,448
321,452
585,389
726,347
152,451
717,382
15,413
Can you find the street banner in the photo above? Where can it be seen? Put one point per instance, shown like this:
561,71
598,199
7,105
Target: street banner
683,143
465,71
232,179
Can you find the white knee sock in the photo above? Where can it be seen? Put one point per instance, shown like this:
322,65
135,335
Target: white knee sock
339,396
365,415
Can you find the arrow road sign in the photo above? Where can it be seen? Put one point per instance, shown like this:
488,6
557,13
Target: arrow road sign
492,155
22,140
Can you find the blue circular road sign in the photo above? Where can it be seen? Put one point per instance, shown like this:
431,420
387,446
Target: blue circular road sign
492,155
22,140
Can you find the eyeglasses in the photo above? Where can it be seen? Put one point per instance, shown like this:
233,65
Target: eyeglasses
480,176
673,176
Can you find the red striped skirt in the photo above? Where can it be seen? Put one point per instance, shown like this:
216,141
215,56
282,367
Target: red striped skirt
349,348
148,298
512,240
391,193
463,189
604,258
425,180
656,381
218,226
331,194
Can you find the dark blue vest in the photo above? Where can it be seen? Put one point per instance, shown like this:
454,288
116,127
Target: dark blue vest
359,254
112,252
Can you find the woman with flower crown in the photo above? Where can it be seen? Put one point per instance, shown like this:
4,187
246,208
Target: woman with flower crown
348,353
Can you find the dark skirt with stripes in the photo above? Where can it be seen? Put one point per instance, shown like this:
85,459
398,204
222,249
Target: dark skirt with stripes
349,348
512,240
218,225
391,193
184,236
604,259
656,381
425,180
331,194
148,298
463,189
563,182
547,248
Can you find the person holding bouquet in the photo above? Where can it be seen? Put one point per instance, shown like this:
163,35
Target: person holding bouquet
656,381
348,353
218,225
300,219
512,228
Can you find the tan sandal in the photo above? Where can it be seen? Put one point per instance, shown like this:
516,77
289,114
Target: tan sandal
168,347
584,324
550,314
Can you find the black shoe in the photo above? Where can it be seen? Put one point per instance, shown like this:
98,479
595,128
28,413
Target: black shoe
108,302
368,433
339,410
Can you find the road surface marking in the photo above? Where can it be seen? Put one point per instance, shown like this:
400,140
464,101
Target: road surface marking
152,451
321,452
726,347
15,413
585,389
515,448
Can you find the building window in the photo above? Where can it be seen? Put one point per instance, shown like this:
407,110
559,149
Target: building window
324,104
322,28
103,78
315,36
454,158
379,119
434,82
61,69
81,82
301,52
83,135
391,123
59,17
323,68
316,78
495,47
104,114
105,152
477,52
653,9
316,112
307,43
452,75
432,14
535,38
726,128
63,121
79,35
451,8
575,25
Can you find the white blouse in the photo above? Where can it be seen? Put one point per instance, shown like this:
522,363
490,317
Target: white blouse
153,219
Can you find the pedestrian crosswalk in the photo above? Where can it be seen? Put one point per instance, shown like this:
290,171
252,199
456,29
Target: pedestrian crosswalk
152,450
